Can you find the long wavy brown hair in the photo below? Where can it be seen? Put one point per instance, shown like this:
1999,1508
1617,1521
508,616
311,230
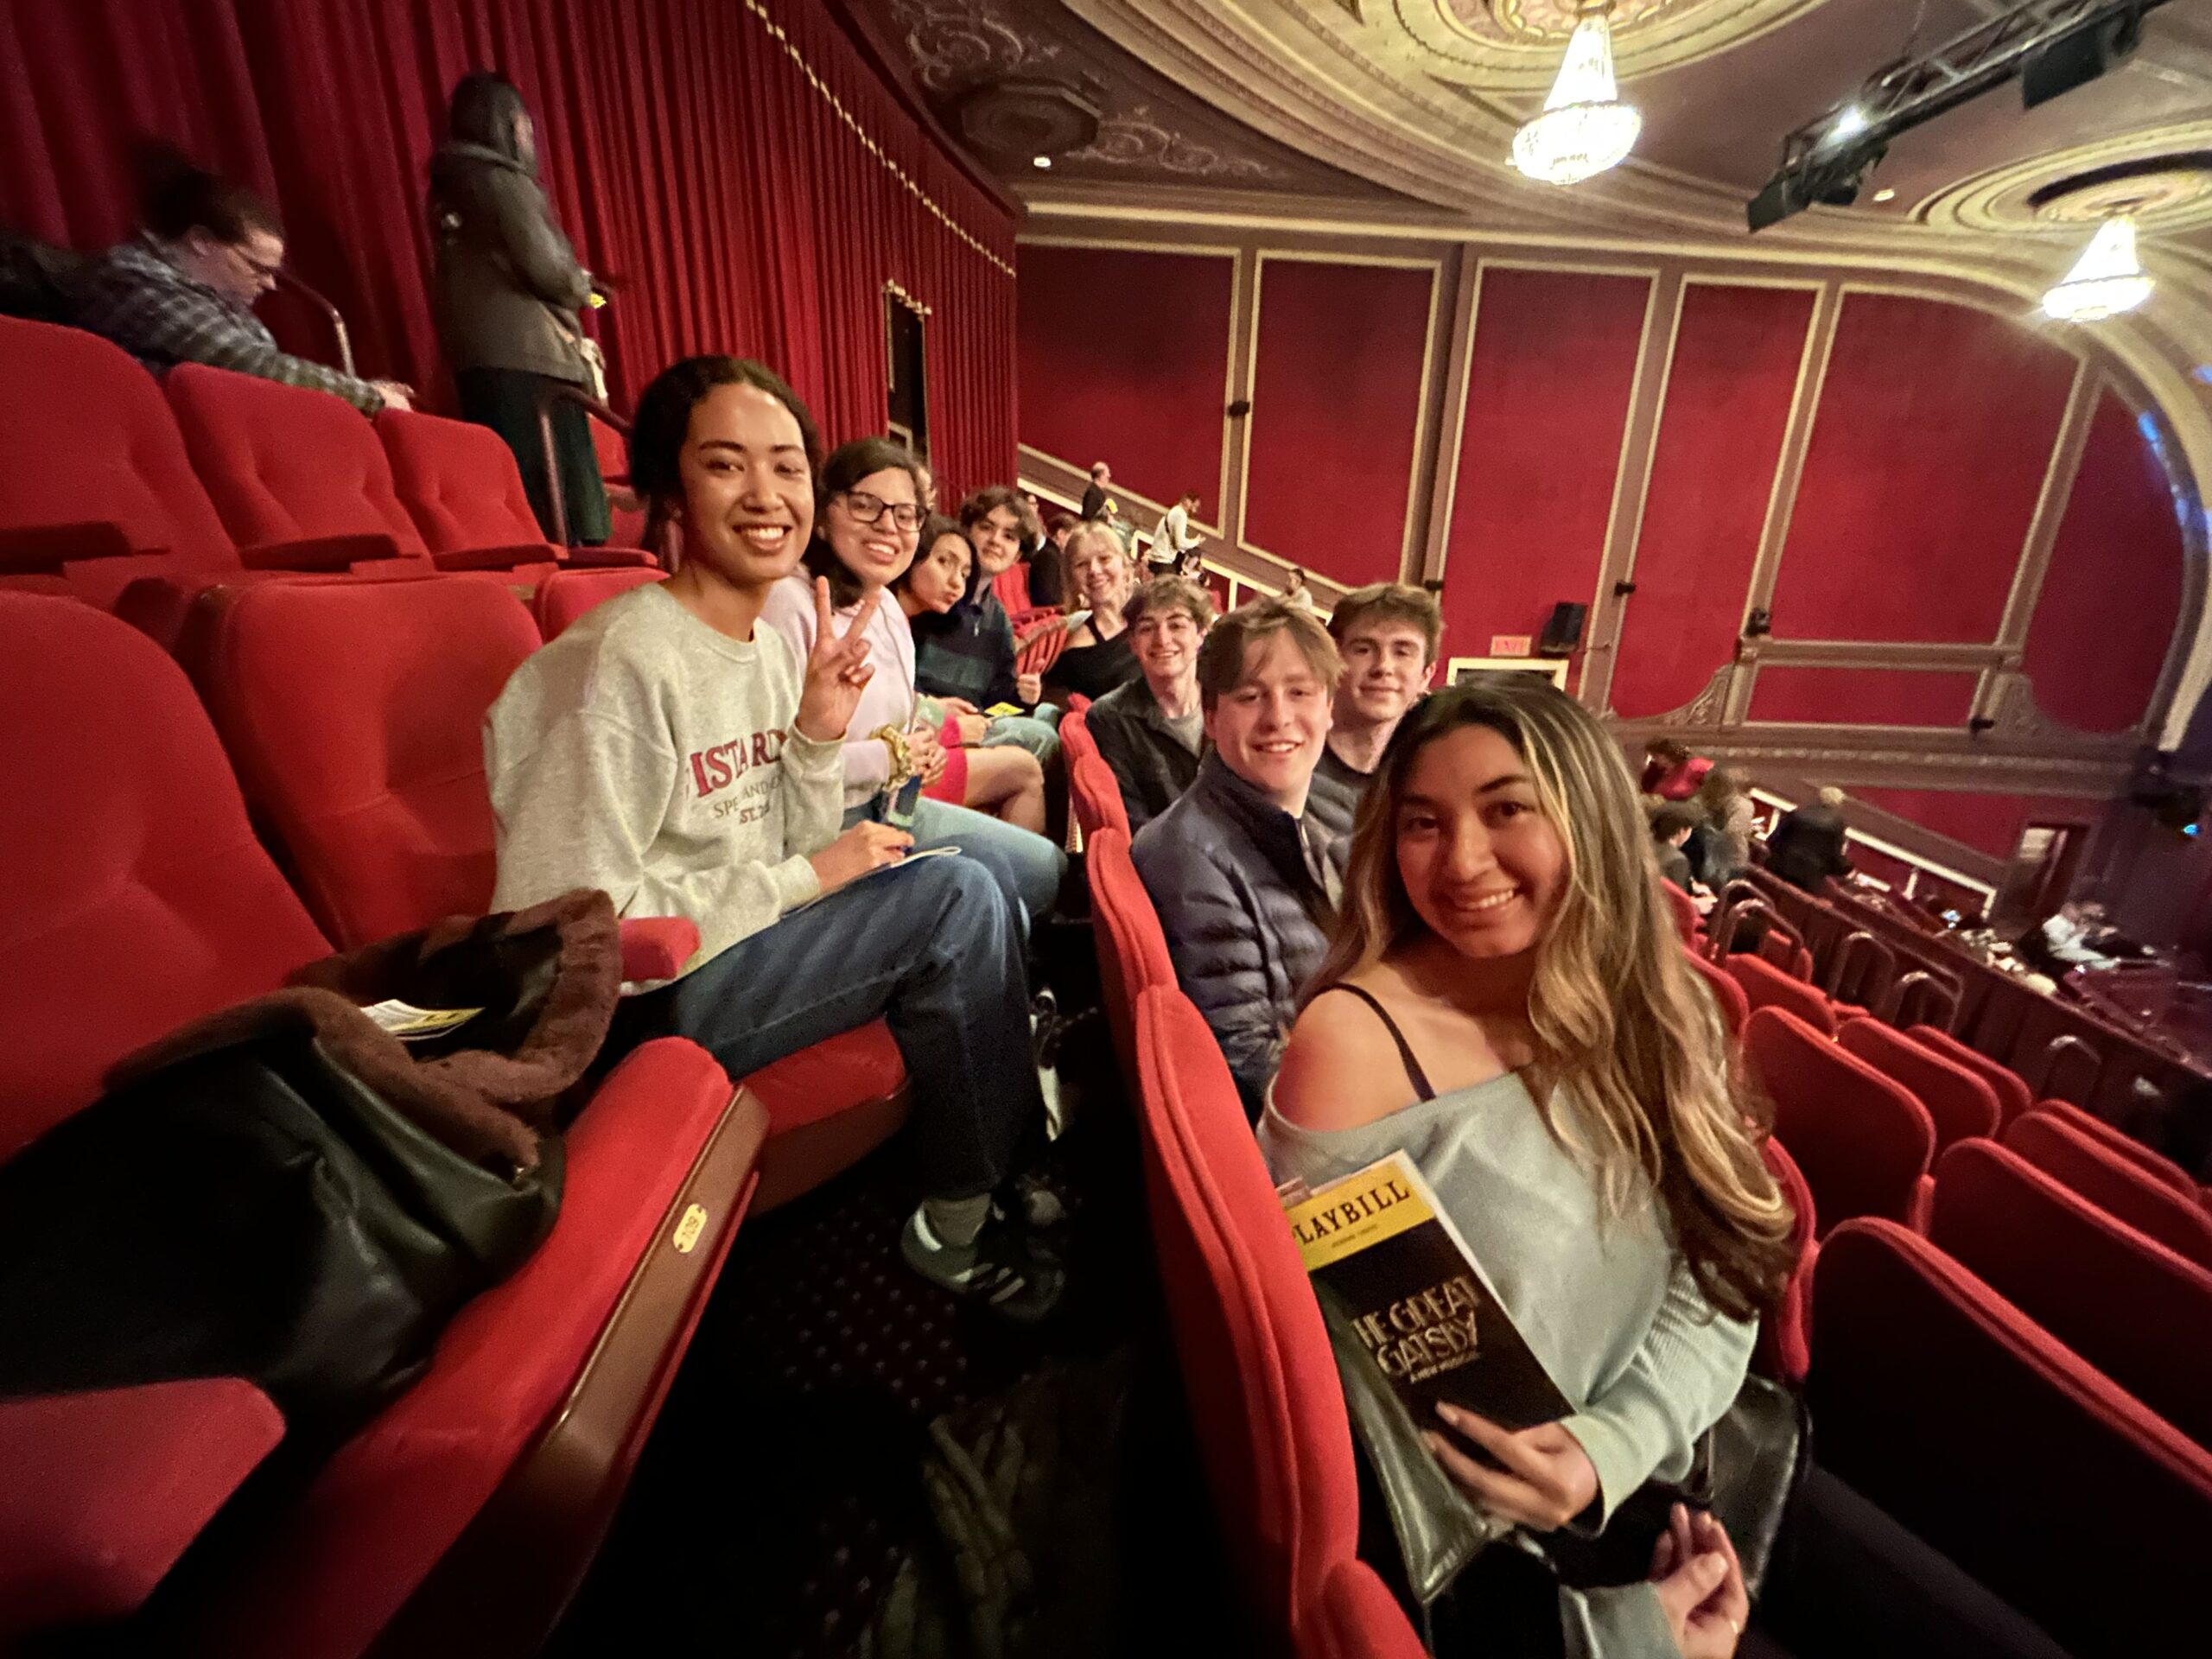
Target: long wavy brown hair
1626,1035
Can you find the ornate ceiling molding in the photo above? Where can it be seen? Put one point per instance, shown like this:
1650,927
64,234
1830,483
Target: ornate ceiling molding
1513,45
1999,200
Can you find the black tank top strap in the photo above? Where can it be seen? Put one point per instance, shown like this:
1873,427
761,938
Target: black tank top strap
1418,1078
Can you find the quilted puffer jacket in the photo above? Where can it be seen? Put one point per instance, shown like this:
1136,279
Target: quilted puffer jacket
1246,894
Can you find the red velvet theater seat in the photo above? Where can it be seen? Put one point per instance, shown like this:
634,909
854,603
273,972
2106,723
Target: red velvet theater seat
1131,951
1961,1105
460,486
2113,1183
138,897
1765,986
1785,1335
2125,1303
1864,1143
287,464
2013,1095
1735,1006
1266,1406
89,441
1957,1415
101,1492
2159,1168
567,595
355,716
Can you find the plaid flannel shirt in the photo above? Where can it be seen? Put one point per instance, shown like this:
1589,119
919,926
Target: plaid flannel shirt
161,317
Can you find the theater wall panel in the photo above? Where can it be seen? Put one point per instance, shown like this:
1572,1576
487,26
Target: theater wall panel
1549,378
1988,823
1863,696
1124,357
2112,593
1738,351
1339,367
1930,447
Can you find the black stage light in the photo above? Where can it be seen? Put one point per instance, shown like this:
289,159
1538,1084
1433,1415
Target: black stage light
2077,59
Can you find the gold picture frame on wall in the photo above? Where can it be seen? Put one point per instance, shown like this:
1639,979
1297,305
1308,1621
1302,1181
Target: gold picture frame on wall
1553,668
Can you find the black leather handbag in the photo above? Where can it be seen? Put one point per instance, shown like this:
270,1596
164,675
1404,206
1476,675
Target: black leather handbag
287,1192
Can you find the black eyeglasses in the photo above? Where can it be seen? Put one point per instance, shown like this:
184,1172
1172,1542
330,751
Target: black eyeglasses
869,510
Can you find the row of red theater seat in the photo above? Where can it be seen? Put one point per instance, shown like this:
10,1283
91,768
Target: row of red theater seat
139,897
136,495
2090,1366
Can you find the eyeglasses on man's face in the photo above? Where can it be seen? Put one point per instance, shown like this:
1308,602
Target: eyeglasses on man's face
869,509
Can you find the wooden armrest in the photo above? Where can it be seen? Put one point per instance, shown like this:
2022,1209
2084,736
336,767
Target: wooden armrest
610,558
497,558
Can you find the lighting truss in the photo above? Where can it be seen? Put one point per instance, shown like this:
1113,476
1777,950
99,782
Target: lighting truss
1824,160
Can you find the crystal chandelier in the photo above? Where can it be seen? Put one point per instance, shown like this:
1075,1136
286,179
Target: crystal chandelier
2106,280
1585,128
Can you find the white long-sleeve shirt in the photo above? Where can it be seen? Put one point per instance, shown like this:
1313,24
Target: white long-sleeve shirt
888,698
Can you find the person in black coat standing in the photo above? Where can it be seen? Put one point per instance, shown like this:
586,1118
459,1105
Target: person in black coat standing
1245,882
1097,503
1805,848
507,294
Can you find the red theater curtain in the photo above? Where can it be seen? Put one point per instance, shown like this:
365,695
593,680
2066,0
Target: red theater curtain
734,164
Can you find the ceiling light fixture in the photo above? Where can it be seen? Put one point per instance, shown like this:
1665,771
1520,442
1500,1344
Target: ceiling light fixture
1585,128
2106,280
1885,194
1040,161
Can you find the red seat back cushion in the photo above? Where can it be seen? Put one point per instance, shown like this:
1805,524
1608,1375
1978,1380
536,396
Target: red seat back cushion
458,482
1863,1142
136,895
1735,1006
1960,1102
1785,1335
2122,1145
1131,951
625,524
1264,1396
2013,1095
1766,986
567,595
2133,1308
355,713
2112,1184
89,440
1953,1412
286,463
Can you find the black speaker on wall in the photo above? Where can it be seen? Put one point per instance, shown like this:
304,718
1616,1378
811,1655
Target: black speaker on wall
1563,632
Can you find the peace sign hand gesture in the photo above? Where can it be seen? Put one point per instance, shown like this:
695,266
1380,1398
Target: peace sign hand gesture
836,669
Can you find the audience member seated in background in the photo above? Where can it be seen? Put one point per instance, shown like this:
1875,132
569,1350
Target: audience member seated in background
1505,999
1296,592
1174,539
1246,886
1004,780
1048,565
1671,824
995,519
508,292
184,289
1097,657
867,526
672,751
2076,935
1805,848
1151,731
1720,849
1670,770
1388,635
1097,503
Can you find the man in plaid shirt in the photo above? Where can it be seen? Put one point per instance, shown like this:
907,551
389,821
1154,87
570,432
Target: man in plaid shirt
187,297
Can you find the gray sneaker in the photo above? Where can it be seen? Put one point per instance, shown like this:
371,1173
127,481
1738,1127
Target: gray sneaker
996,1270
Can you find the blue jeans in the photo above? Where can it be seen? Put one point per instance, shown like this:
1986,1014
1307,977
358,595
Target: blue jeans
1028,867
933,950
1034,733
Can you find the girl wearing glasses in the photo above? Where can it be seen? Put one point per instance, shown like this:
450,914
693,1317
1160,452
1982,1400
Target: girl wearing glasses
867,529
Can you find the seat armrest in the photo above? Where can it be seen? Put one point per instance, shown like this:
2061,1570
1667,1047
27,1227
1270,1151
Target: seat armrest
497,558
101,1492
656,947
42,550
610,558
327,554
